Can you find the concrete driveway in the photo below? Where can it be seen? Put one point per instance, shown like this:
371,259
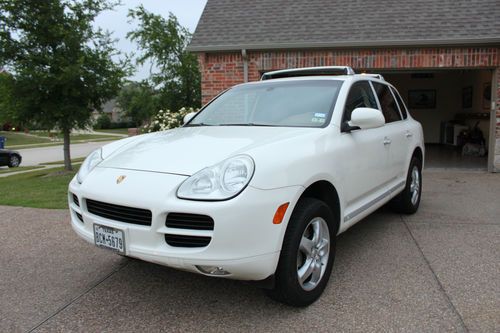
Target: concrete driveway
435,271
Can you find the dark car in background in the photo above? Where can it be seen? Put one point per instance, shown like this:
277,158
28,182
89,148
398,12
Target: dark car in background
10,158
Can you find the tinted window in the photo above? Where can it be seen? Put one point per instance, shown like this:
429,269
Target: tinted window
305,103
402,106
387,102
360,96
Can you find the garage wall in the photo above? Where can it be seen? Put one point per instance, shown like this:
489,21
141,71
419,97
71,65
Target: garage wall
449,86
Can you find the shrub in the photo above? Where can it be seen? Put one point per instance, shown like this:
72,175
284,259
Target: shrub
167,119
103,122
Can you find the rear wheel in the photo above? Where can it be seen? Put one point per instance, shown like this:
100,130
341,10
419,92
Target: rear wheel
307,254
14,161
407,202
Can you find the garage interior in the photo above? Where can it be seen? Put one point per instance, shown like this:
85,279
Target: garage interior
454,108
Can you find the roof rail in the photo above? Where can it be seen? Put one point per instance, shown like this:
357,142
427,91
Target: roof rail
308,71
377,76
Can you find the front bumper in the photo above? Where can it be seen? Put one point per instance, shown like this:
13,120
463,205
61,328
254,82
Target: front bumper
244,241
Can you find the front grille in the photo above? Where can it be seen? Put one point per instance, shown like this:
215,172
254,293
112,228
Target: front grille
189,221
75,200
187,241
119,213
80,217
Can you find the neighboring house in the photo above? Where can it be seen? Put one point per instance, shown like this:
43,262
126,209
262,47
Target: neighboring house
443,56
112,110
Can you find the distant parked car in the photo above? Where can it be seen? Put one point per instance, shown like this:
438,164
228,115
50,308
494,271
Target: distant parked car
10,158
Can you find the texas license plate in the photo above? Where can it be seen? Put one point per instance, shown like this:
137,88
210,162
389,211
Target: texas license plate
109,238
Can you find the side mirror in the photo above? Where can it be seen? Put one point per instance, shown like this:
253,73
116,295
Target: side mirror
365,118
188,117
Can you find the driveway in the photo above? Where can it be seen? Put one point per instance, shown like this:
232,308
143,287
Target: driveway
435,271
35,156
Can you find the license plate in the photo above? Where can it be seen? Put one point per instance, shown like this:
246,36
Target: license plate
109,238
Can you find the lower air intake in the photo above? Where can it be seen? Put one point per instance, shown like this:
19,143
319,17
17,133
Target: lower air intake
187,241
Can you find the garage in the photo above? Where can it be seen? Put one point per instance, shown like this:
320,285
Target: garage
443,56
454,108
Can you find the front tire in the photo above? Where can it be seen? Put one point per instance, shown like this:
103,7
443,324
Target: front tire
14,161
408,201
307,255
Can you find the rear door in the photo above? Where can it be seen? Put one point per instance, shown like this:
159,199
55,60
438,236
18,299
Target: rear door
395,131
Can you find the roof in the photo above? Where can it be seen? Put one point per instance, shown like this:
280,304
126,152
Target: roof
298,24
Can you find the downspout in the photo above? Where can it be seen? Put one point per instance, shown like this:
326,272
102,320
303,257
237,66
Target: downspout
245,65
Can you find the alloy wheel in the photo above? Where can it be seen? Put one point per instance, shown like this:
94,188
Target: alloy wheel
313,253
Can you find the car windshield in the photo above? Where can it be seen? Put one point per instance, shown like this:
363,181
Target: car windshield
304,103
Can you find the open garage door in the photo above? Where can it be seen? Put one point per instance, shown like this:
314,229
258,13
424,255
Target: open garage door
454,108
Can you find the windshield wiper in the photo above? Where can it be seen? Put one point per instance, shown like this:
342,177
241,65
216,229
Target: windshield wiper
198,124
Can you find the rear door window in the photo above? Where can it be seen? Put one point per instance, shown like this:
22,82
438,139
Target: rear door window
401,104
387,102
360,96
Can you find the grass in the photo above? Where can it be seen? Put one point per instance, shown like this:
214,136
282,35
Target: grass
74,137
16,138
74,160
9,170
39,189
60,143
114,131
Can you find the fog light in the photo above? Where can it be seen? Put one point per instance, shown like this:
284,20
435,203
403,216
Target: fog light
213,270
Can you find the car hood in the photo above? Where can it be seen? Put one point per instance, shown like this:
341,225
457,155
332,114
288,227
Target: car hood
187,150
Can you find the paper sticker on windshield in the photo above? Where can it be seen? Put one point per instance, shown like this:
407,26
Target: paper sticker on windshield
318,120
320,115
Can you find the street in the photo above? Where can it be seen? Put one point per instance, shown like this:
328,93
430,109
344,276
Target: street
35,156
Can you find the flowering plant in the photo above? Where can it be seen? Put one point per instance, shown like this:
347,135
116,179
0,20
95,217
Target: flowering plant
167,119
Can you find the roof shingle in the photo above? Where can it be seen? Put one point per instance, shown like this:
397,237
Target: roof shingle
281,24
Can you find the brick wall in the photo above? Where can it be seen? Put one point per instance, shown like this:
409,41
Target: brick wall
223,70
496,87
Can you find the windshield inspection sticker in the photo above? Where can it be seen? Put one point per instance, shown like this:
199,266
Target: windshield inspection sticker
320,115
318,120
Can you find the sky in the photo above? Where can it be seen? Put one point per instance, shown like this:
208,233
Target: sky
188,13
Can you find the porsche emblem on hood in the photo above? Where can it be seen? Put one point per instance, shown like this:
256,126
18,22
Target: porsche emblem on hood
120,179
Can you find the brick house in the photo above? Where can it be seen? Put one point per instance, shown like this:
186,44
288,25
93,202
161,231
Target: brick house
446,52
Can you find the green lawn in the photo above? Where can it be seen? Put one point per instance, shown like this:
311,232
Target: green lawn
15,139
9,170
39,189
114,131
74,160
40,139
74,137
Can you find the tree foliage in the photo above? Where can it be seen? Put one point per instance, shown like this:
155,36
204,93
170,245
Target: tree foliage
138,101
8,104
62,67
174,70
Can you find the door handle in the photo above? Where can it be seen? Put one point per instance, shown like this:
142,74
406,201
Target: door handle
409,134
387,141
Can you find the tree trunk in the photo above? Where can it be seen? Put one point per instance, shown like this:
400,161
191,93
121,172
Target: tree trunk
67,156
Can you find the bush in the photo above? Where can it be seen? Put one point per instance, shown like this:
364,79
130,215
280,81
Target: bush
103,122
167,119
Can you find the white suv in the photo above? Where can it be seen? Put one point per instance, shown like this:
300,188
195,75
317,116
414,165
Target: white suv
259,183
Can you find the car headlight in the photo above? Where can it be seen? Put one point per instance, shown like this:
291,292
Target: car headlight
219,182
89,164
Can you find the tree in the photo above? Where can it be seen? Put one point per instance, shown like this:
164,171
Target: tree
138,101
62,66
7,103
163,42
